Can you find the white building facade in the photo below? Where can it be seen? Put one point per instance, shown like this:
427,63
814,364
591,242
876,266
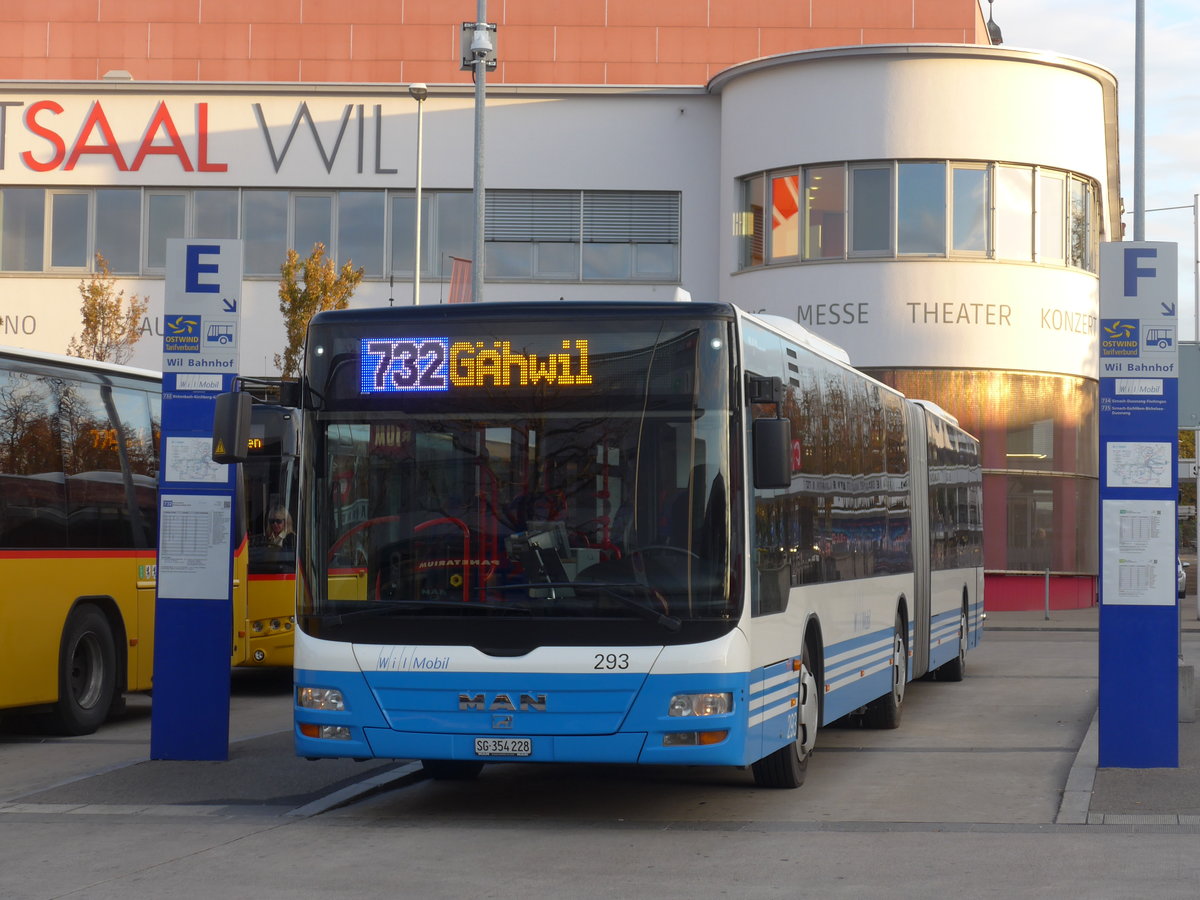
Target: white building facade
935,209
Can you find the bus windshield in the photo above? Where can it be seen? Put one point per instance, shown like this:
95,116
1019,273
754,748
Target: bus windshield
549,488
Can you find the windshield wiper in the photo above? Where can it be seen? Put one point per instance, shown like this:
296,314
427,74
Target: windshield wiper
386,609
616,590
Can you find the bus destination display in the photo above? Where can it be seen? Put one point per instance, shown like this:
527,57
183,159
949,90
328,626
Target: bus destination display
401,364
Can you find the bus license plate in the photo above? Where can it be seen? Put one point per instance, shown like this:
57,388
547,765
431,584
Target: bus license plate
503,747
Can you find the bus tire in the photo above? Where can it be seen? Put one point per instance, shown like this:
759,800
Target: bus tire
87,672
787,766
884,712
452,769
955,669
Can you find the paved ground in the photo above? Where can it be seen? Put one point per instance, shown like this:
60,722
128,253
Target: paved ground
999,769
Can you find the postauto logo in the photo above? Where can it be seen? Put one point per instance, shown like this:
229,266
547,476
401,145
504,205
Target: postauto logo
1119,337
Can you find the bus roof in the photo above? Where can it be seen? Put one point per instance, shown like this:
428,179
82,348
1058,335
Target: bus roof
74,362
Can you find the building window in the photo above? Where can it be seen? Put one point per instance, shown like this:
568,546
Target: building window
312,222
118,229
265,231
561,236
22,229
870,210
751,232
1014,205
910,208
166,219
785,216
215,213
825,212
360,225
1051,217
921,209
969,213
70,214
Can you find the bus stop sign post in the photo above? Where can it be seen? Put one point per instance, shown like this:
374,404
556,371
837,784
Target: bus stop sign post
1139,421
193,625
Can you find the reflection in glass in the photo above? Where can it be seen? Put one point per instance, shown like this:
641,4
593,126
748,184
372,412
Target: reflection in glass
1039,440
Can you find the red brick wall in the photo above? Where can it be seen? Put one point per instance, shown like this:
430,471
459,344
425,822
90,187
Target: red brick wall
540,41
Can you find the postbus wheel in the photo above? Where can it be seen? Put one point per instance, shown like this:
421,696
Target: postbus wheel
884,712
87,672
957,667
787,766
452,769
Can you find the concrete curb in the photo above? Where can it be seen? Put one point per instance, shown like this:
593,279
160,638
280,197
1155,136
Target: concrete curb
1077,795
404,775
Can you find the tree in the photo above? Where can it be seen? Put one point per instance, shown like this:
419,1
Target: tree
112,323
307,287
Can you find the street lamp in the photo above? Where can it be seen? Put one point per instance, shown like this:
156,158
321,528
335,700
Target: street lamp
418,92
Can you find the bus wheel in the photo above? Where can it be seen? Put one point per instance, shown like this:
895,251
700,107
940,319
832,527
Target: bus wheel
957,667
452,769
87,672
884,712
787,766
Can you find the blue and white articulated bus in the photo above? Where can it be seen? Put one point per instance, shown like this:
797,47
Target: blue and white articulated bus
617,532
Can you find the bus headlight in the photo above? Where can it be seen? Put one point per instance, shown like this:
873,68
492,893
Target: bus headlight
700,704
320,698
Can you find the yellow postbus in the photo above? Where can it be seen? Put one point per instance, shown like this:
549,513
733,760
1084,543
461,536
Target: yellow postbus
79,447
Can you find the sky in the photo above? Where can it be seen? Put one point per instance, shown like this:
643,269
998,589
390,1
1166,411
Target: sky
1102,32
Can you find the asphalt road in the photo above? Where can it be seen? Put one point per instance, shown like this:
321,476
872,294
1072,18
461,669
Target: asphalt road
960,800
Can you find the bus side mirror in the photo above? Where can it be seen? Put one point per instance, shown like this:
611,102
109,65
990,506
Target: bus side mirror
290,394
231,428
772,453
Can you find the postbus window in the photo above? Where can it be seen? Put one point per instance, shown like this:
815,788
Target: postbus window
33,509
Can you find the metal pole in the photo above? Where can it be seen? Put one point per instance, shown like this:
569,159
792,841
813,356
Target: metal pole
1139,123
1047,594
420,93
480,98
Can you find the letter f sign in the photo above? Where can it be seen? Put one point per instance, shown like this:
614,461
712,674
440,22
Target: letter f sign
1133,271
